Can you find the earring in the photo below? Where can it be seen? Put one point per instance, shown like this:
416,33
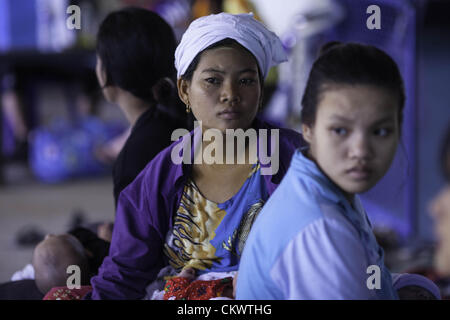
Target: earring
188,108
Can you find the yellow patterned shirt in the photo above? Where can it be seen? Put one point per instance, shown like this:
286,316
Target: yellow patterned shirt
210,236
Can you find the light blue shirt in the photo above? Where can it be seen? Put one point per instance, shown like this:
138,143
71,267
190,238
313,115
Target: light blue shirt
309,242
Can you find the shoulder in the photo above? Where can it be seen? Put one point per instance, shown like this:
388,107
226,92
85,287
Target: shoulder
163,169
153,194
301,197
313,240
295,207
156,128
326,253
325,238
159,174
328,228
288,137
287,142
149,136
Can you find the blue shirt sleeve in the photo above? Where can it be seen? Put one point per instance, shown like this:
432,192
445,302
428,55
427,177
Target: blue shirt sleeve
323,261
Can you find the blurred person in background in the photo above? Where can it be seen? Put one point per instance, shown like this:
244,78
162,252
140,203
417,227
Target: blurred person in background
440,212
135,68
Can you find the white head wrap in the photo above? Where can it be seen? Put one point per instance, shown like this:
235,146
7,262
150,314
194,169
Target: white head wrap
250,33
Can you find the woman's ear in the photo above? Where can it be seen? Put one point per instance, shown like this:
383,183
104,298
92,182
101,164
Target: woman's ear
183,89
307,132
100,72
162,86
109,92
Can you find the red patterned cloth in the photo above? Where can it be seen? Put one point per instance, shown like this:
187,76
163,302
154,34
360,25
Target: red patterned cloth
64,293
179,288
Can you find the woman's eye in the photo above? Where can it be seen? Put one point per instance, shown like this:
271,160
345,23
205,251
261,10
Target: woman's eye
212,80
339,131
246,81
382,132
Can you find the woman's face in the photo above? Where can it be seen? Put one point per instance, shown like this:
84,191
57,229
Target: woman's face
225,90
355,135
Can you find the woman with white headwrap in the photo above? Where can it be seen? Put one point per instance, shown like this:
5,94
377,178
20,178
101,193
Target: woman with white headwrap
198,215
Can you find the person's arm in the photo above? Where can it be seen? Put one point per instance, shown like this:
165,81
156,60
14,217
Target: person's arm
135,255
324,261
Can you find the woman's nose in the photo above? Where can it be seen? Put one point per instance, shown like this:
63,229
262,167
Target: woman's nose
360,147
230,93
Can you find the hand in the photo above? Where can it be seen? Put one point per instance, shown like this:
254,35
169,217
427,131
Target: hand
188,273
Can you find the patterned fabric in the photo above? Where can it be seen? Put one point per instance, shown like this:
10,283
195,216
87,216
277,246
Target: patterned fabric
209,236
179,288
64,293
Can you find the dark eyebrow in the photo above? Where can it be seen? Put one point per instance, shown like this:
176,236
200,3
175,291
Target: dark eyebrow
213,70
385,119
248,70
340,118
344,119
223,72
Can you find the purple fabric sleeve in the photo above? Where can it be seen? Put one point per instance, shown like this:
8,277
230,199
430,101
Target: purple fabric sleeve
135,256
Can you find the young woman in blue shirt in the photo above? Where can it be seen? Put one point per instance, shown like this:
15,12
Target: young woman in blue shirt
312,239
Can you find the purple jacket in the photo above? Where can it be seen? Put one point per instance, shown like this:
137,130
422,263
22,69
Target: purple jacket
145,214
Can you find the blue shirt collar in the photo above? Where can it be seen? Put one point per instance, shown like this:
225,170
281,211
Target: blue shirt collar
306,167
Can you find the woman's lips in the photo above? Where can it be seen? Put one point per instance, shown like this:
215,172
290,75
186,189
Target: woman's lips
229,115
359,173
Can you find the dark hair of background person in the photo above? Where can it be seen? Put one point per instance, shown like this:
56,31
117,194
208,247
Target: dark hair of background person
350,64
137,47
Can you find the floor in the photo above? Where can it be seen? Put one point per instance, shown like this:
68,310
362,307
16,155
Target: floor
27,203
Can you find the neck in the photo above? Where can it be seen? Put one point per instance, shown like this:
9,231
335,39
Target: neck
236,154
132,106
